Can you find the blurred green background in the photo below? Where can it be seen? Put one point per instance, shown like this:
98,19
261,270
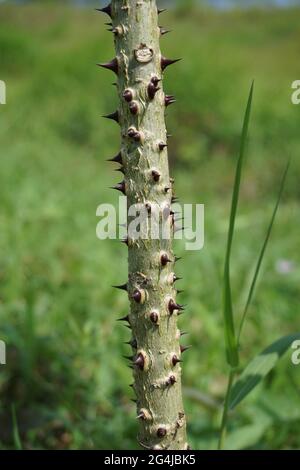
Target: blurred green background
65,375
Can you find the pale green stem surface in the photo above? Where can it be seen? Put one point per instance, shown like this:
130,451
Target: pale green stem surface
162,423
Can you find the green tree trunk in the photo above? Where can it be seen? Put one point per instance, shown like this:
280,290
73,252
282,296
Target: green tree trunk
139,66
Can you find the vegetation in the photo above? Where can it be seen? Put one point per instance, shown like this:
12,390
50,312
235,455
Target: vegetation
65,385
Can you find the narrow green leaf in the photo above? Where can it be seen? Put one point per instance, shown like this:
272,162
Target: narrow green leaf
16,436
247,436
262,252
259,367
230,338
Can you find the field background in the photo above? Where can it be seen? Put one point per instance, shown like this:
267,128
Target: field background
65,376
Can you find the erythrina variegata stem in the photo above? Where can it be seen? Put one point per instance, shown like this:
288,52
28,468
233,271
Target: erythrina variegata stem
139,66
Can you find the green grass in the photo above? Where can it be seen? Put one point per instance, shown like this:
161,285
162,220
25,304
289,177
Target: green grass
65,375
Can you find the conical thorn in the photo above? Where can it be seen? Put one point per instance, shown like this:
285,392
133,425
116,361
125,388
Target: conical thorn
175,360
116,159
162,146
126,319
166,62
139,361
169,99
152,89
164,31
112,65
173,307
106,10
120,187
184,348
164,259
113,116
122,287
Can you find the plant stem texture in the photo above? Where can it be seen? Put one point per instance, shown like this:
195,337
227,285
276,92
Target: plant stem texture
156,359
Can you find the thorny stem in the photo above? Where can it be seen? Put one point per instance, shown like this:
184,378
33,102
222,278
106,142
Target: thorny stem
153,315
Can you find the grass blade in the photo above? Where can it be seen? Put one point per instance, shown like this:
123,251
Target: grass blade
230,338
259,367
16,435
262,252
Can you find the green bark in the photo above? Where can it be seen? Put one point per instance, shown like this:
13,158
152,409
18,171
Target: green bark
154,312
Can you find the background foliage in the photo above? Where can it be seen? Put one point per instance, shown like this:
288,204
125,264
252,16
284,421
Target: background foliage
65,381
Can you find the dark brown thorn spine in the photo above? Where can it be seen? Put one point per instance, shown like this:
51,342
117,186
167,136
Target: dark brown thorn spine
106,10
166,62
112,65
